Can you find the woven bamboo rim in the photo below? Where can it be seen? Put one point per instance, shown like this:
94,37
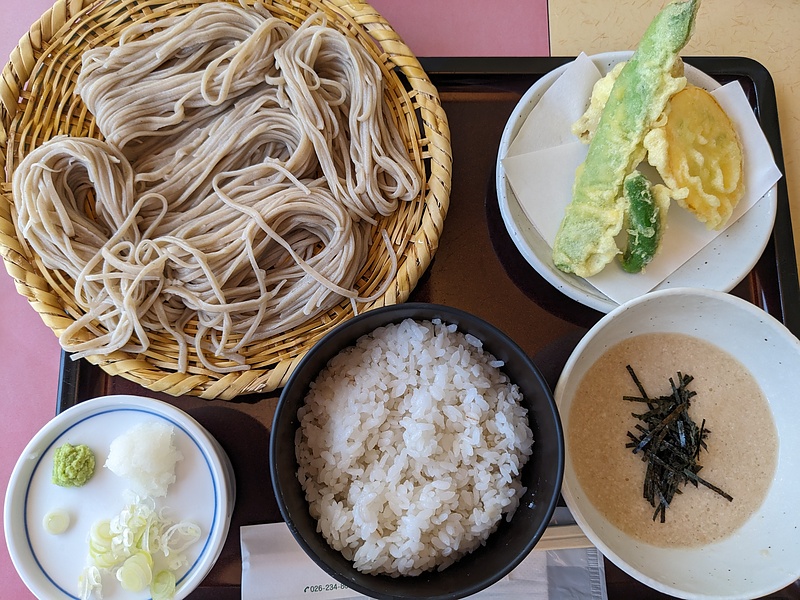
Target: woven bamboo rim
37,103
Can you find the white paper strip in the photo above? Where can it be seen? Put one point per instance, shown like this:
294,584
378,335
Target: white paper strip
274,567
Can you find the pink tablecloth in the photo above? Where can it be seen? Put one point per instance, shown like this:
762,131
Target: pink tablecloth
29,369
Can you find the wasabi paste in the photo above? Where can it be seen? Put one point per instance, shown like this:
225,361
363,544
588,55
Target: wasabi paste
73,466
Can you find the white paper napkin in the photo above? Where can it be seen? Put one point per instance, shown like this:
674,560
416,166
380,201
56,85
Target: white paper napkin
275,567
541,162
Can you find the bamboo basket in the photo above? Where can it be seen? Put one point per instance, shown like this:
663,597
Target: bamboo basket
37,103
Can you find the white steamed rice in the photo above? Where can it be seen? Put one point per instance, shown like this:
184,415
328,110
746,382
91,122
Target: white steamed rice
410,446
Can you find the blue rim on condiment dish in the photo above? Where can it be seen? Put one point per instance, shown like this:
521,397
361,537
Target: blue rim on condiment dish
204,492
719,266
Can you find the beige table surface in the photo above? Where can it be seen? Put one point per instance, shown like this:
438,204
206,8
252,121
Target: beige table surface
765,30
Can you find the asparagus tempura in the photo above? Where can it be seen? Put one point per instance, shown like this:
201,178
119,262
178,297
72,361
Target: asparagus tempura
585,241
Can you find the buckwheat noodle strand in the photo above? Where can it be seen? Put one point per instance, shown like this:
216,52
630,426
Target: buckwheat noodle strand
234,194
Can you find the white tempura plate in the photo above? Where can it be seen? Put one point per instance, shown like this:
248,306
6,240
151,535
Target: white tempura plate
719,266
203,493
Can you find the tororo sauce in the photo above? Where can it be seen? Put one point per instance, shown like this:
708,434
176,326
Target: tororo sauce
742,443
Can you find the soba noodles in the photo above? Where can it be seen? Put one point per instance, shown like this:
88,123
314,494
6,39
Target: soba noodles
242,168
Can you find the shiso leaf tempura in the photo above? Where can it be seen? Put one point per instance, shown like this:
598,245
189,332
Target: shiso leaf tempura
585,241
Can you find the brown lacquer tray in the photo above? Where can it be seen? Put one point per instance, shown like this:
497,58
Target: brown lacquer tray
478,269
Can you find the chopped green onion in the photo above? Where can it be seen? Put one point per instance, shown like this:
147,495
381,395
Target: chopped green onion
56,521
89,582
136,572
163,586
129,544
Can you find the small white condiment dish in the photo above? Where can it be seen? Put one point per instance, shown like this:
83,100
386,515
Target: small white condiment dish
203,493
764,554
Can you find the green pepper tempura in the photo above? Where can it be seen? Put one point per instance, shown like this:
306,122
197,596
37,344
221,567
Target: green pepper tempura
73,466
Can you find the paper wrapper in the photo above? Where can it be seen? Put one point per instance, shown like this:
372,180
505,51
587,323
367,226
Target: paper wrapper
541,161
274,567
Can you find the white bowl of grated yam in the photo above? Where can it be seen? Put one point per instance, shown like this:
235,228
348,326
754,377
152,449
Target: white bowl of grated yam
679,410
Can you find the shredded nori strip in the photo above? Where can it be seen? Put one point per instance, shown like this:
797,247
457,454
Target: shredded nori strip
670,442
